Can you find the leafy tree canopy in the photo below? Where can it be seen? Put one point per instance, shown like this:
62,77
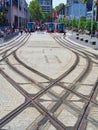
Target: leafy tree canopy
58,8
35,9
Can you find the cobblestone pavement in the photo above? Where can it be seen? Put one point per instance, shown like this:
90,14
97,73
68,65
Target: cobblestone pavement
47,86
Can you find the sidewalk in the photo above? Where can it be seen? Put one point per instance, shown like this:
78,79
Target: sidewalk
82,37
1,40
8,37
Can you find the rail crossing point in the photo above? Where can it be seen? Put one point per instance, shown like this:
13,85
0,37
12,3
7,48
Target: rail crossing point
48,55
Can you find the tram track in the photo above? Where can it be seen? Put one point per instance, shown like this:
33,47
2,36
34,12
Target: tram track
48,87
43,91
85,113
34,100
12,47
18,110
10,44
43,74
78,78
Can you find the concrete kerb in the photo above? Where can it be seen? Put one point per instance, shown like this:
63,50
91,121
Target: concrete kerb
77,34
86,47
86,40
76,42
92,42
77,37
81,38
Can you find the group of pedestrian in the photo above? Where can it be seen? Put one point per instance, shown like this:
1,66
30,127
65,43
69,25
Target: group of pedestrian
25,30
5,31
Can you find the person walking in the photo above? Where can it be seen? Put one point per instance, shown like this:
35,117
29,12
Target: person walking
30,31
64,32
21,31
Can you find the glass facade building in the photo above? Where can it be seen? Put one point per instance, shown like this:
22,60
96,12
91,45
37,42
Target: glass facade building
75,9
89,5
72,1
46,5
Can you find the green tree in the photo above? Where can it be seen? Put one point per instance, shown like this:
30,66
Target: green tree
47,16
3,20
75,23
58,8
82,22
35,9
88,25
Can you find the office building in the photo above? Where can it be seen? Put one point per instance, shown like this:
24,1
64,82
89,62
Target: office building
75,9
46,5
72,1
16,13
89,5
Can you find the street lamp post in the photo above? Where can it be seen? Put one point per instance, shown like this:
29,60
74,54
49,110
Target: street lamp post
79,17
92,20
11,18
18,13
72,15
92,17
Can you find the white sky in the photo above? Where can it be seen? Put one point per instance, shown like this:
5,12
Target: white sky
55,2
